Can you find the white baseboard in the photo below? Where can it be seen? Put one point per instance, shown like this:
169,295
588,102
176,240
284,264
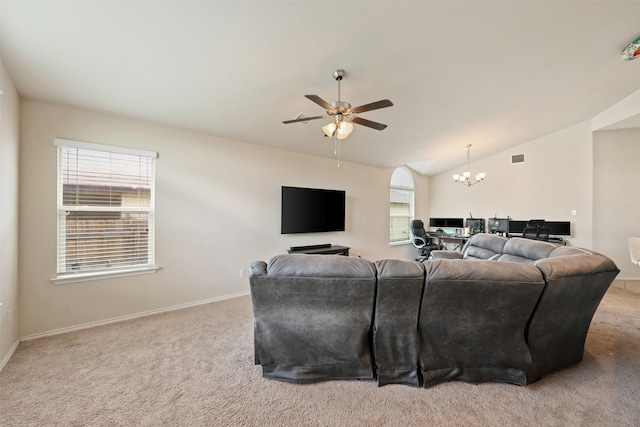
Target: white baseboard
631,285
8,356
127,317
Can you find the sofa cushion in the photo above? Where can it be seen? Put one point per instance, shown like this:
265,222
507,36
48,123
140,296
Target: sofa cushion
301,265
484,246
479,246
518,249
569,250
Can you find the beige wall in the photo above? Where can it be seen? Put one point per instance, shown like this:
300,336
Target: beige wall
616,207
9,125
218,209
555,179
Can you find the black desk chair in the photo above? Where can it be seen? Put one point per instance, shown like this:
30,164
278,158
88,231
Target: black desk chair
421,240
536,233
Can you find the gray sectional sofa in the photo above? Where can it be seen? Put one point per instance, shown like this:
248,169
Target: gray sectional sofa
506,310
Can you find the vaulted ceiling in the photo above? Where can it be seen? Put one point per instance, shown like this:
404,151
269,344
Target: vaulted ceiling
494,74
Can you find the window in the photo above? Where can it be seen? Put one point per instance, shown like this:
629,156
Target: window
401,197
105,209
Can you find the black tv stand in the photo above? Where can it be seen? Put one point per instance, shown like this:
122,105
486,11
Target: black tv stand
324,249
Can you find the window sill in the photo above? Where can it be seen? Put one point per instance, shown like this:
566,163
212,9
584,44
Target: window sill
86,277
405,242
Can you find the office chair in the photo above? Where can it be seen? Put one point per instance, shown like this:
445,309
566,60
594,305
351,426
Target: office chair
530,233
535,230
421,240
543,233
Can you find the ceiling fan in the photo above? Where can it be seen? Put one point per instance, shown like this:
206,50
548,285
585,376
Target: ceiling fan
343,114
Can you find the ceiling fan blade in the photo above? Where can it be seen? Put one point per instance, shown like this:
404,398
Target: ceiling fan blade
368,123
373,106
321,102
304,119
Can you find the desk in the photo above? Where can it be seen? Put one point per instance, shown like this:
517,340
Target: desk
321,249
456,242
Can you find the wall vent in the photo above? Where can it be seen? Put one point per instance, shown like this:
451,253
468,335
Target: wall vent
517,158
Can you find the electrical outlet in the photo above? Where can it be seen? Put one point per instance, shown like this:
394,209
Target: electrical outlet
574,212
242,272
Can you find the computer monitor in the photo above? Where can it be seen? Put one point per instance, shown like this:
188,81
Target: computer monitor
559,228
517,227
498,226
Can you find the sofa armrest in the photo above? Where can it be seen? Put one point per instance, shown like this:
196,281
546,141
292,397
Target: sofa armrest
445,254
258,268
575,285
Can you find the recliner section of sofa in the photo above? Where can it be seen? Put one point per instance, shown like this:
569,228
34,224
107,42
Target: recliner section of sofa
575,282
313,317
480,315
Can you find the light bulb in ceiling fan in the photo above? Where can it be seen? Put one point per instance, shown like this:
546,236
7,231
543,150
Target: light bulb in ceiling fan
329,129
344,130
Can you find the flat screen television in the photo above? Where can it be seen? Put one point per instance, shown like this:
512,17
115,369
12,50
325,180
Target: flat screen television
312,210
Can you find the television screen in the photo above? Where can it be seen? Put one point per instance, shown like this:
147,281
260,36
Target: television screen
312,210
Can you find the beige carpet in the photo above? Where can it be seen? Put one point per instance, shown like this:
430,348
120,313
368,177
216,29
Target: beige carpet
194,367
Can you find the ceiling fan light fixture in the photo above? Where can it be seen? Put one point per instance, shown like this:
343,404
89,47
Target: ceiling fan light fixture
343,114
344,129
329,129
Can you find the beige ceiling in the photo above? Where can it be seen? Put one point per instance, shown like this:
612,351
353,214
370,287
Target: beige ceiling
491,74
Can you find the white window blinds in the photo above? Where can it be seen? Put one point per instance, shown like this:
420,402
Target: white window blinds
401,206
105,208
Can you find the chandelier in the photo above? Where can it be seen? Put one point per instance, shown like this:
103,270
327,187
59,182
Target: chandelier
465,177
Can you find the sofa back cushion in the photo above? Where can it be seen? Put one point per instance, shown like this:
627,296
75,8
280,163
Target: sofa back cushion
483,246
300,265
517,249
